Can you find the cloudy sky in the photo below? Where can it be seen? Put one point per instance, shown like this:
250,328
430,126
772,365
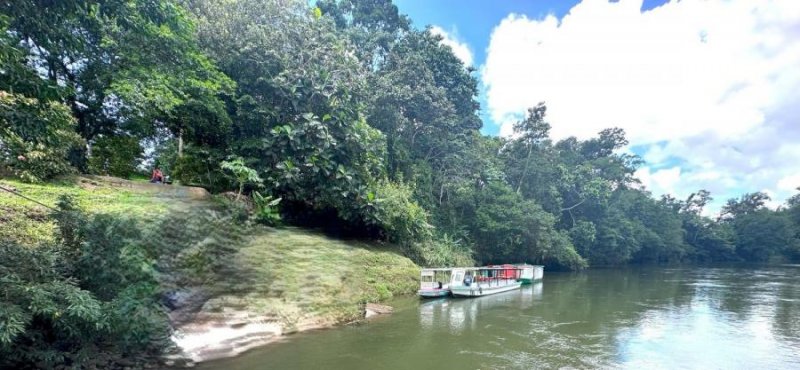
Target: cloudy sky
707,91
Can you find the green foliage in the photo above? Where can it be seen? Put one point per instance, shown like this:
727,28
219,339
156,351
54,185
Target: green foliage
35,137
747,204
266,209
298,118
402,220
440,251
116,156
88,301
762,235
242,175
508,228
121,66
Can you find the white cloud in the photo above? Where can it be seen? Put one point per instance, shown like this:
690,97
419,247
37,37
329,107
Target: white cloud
710,86
460,49
660,181
789,183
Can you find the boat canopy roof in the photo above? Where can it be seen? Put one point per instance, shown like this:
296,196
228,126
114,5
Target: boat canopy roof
506,267
439,269
427,271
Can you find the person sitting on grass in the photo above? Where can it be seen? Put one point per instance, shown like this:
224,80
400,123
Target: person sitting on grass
157,176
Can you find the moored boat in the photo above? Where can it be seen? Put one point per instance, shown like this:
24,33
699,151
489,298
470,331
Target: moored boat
481,281
530,273
435,283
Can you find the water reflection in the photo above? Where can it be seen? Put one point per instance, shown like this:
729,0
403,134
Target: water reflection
637,318
464,313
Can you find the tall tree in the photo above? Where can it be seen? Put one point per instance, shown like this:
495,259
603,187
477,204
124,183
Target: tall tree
298,113
120,65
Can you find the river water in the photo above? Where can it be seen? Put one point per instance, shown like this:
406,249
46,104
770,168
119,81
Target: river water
689,318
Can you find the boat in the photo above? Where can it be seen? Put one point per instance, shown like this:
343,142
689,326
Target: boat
530,273
435,282
482,281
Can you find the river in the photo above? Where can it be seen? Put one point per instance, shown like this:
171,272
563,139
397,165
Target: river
692,318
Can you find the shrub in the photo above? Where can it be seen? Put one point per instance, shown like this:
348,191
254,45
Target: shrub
241,174
35,137
91,300
402,220
440,252
266,209
197,166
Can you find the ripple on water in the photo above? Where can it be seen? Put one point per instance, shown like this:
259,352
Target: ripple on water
695,318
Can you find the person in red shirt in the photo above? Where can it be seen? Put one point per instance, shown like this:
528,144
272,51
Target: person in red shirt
157,176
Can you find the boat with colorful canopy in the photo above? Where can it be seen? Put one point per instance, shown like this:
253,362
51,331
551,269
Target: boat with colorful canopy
481,281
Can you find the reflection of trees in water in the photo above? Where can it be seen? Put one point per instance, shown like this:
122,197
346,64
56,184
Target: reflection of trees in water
753,294
601,297
786,321
596,319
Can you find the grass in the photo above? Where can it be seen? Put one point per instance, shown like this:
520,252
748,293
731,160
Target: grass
300,277
305,278
27,223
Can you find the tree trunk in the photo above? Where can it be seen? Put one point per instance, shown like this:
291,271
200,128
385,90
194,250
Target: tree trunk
180,143
525,169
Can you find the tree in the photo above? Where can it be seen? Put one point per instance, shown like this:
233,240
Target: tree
762,234
747,204
35,137
372,25
508,228
242,175
120,65
298,113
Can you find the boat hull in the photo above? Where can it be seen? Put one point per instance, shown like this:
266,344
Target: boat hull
528,281
480,291
433,293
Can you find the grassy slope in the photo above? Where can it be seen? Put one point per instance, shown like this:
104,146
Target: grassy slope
27,222
300,277
303,279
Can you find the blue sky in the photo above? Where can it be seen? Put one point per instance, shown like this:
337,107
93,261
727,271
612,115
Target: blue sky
707,91
472,22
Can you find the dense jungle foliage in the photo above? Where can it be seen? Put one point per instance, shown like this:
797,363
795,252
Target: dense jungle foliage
357,121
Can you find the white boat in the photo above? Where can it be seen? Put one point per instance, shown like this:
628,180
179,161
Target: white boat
435,283
481,281
530,273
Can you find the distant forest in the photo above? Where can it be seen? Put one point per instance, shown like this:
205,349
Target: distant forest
356,120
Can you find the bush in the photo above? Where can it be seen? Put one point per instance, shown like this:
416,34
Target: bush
241,174
198,166
91,300
266,209
35,137
116,156
402,220
440,252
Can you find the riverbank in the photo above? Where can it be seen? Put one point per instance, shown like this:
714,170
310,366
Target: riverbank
631,318
291,280
230,285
